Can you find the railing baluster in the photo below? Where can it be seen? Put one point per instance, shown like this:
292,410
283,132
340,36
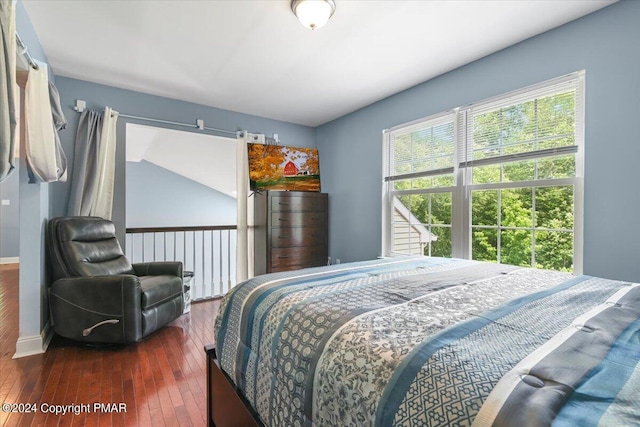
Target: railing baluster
213,279
204,286
228,260
220,240
195,272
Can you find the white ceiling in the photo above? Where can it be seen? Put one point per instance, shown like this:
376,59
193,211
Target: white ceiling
255,57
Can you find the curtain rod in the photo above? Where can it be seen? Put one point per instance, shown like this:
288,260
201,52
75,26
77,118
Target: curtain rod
25,52
81,105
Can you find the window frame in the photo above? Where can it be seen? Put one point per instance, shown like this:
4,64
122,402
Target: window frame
461,191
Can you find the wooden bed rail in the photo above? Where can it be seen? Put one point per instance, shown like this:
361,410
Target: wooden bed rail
226,406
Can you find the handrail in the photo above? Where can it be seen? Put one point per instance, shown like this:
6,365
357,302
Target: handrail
188,228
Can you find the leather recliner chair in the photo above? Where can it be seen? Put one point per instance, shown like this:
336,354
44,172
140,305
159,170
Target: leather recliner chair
96,295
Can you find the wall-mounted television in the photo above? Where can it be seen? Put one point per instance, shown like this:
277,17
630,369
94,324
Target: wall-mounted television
276,167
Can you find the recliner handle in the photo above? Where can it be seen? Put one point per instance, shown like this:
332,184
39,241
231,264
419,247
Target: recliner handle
86,332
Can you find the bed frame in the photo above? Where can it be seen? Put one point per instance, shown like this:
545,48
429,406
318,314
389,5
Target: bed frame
226,406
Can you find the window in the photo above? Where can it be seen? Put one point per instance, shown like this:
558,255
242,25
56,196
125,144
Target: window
422,176
500,180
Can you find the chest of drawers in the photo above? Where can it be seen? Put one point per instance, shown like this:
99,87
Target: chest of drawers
291,230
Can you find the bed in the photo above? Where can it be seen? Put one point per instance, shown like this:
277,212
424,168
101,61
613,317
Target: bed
419,341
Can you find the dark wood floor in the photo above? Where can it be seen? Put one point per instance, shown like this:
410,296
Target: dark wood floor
161,380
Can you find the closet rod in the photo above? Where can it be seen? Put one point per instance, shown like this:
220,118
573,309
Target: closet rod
169,122
81,106
25,52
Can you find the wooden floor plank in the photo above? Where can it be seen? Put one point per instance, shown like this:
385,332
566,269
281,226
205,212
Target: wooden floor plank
161,380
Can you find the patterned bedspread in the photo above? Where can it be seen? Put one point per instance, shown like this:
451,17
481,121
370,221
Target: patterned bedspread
423,341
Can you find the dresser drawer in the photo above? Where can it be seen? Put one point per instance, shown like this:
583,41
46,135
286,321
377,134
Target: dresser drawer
298,219
296,204
298,236
306,256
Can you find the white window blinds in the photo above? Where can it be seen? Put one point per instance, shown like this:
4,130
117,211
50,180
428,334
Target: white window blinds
533,123
422,149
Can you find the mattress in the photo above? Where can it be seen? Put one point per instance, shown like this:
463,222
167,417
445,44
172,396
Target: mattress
420,341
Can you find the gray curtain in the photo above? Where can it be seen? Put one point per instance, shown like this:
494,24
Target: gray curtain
84,177
59,123
7,88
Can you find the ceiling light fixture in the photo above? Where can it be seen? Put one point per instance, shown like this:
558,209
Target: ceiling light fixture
313,14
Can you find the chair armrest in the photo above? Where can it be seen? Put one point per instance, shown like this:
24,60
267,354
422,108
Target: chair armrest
107,291
160,268
78,304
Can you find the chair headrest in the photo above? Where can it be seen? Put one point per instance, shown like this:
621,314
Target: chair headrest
84,229
85,246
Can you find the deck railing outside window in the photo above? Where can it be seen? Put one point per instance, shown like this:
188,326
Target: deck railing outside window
208,251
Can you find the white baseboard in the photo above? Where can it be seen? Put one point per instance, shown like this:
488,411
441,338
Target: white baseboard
35,344
10,260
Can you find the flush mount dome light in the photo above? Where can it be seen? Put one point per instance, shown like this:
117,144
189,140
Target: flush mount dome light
313,14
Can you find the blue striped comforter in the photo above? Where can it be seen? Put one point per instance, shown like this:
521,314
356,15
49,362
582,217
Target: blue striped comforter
422,341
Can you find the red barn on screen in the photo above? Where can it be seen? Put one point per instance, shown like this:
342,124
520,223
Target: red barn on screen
290,169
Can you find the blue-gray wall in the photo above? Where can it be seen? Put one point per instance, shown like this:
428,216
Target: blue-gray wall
605,44
10,216
139,104
157,197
